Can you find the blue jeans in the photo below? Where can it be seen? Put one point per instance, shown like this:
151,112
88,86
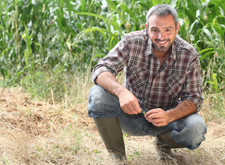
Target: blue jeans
188,131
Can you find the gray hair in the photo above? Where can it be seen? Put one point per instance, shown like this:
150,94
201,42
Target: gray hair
162,10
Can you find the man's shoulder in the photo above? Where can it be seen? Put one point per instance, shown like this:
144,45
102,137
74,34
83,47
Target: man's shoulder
182,44
137,36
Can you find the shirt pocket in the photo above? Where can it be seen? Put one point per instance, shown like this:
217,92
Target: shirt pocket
174,84
138,77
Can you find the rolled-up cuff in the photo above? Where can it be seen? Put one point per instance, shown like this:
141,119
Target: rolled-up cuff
98,71
197,100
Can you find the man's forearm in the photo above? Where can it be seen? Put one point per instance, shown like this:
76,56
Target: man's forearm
108,81
183,109
128,102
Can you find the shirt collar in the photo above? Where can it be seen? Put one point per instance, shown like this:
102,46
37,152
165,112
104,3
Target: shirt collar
148,50
173,53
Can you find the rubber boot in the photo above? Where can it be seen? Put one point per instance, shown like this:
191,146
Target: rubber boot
111,134
164,143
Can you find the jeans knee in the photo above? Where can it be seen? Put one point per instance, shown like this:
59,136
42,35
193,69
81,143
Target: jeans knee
190,131
97,95
198,127
101,103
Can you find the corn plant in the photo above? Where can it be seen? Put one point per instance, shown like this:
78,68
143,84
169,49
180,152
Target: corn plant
36,37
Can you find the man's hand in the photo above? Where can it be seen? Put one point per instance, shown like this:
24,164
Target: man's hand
157,117
129,103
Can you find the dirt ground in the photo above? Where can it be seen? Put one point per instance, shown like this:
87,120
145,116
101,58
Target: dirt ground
42,132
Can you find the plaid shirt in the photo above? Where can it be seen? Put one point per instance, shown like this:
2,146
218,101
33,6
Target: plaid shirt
178,79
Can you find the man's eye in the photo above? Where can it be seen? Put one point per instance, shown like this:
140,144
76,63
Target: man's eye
168,30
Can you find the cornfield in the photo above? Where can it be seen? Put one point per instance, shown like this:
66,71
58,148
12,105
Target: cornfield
47,51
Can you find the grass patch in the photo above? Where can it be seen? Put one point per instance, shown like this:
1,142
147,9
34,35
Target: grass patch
213,108
47,131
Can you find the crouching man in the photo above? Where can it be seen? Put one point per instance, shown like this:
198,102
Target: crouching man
162,90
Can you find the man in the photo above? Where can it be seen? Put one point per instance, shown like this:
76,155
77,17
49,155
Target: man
162,90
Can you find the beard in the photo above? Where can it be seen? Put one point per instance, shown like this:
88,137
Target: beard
162,48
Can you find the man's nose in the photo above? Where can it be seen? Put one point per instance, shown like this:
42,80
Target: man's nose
161,36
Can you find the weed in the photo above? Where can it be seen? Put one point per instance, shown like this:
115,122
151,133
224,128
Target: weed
5,158
97,151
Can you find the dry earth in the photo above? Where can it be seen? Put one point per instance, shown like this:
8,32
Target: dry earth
39,132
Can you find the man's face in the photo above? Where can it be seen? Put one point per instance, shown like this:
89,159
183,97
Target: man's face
162,32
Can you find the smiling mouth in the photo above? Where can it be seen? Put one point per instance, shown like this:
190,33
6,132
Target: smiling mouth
161,42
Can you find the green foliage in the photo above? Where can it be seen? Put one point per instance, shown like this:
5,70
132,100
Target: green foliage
203,26
36,37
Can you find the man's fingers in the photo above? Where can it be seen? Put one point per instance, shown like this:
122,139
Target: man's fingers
131,107
153,111
128,108
154,116
158,124
129,103
136,108
155,119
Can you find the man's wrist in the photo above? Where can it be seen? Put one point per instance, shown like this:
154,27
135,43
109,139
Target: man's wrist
171,116
119,90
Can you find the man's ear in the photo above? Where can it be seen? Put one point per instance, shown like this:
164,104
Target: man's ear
177,29
146,26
